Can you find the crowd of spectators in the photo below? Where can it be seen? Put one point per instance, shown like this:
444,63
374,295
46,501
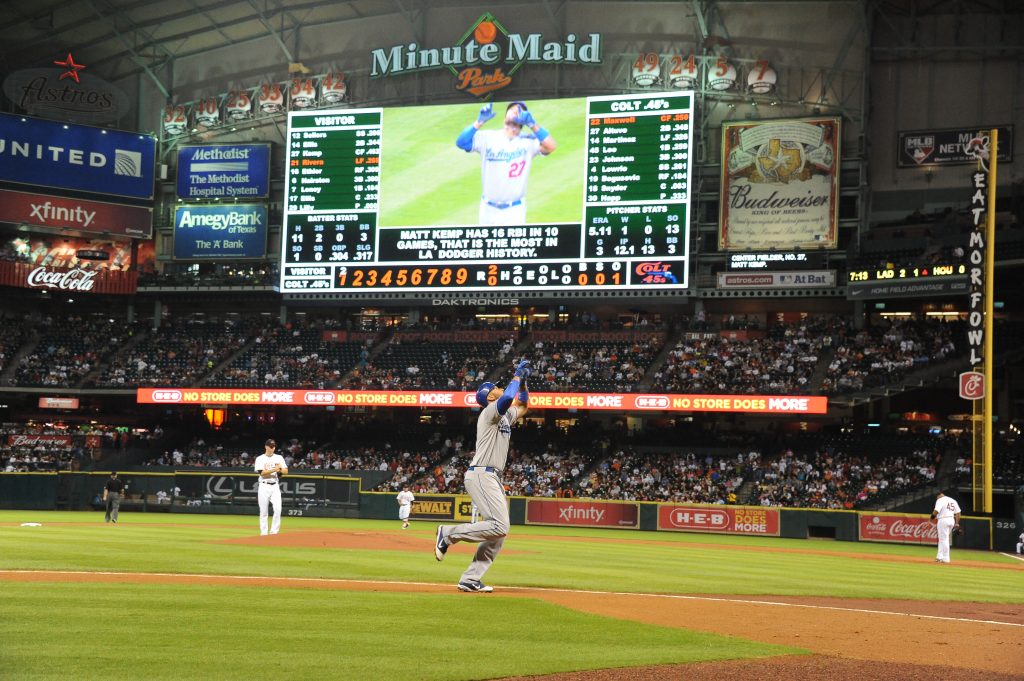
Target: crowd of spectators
425,364
264,274
179,352
668,476
877,355
592,365
70,348
837,480
12,335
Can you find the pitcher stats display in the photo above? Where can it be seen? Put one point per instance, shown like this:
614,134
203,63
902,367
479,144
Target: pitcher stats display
571,194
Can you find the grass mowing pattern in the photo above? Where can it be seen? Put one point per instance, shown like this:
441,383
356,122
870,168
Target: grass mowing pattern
114,631
426,180
687,563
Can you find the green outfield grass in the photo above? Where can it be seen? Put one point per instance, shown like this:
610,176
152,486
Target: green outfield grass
426,180
62,630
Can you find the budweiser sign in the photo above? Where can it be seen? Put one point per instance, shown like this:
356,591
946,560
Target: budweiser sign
33,440
66,280
900,529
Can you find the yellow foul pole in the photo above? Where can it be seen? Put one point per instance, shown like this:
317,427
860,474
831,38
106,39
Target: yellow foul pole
990,282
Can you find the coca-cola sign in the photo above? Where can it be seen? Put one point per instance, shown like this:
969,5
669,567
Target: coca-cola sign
33,440
901,529
66,280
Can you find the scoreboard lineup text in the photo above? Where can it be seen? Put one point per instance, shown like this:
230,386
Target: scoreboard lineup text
634,232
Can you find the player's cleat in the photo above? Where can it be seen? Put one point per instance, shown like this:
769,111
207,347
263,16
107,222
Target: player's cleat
405,526
475,587
441,546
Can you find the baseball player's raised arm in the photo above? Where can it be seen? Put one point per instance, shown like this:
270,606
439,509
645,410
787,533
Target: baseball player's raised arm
465,139
547,141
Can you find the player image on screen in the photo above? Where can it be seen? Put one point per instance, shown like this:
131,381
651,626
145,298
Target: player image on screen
506,156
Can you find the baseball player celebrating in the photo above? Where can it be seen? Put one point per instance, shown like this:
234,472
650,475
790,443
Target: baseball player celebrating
405,499
506,156
270,466
502,409
947,516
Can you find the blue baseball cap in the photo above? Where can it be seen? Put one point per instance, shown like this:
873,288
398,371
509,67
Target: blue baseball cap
483,391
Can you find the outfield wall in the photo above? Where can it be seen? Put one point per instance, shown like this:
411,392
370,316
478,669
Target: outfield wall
221,491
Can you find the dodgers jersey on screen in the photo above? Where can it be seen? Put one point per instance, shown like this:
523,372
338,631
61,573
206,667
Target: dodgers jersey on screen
506,163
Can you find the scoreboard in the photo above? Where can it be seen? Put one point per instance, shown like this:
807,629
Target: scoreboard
382,200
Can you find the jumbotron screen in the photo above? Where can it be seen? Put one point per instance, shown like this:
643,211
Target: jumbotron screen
564,194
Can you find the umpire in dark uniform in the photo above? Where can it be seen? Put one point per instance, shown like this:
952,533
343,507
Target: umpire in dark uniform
112,493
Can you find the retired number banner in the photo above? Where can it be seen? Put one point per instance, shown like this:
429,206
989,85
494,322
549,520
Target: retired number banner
780,184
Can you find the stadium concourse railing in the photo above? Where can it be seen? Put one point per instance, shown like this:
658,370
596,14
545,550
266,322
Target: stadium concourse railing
220,491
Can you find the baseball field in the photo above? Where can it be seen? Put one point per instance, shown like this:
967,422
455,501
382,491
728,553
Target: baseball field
176,596
427,181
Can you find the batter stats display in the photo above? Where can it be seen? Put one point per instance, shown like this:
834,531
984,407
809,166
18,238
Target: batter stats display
571,194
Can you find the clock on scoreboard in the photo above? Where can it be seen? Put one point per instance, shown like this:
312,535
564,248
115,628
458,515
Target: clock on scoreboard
383,199
934,271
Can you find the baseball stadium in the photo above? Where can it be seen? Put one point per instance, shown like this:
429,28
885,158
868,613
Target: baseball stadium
567,340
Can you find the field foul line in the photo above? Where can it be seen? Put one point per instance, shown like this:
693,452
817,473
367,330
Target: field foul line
1010,555
681,597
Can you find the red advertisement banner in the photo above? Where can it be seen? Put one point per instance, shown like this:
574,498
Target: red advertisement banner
33,440
58,403
578,513
624,336
901,529
67,280
719,519
58,212
749,404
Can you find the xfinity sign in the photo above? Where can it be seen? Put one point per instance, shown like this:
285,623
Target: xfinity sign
230,171
77,157
223,231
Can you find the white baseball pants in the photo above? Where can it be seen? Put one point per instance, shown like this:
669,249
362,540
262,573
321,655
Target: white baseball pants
945,529
492,215
269,493
403,511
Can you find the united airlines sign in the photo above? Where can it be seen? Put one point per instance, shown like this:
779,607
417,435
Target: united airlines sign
65,156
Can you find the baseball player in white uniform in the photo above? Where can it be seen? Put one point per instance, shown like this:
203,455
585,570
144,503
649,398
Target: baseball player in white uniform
502,409
405,499
1020,543
947,516
270,466
506,157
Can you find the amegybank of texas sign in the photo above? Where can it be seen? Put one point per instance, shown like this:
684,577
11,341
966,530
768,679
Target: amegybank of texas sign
487,56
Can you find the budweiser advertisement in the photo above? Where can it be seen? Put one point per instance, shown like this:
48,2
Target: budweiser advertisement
56,212
58,403
67,280
897,528
33,440
582,513
748,404
719,519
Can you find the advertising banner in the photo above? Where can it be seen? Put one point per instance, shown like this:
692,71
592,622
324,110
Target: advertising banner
225,171
780,184
906,289
894,527
71,280
87,254
719,519
581,513
67,156
33,440
442,507
748,404
55,212
236,230
777,279
950,146
58,403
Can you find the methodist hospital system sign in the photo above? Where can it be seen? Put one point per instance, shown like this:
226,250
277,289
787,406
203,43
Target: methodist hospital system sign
748,404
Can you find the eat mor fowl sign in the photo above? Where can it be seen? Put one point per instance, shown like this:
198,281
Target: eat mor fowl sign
486,57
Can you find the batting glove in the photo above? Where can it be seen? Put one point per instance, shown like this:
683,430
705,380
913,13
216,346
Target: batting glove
525,118
523,370
486,113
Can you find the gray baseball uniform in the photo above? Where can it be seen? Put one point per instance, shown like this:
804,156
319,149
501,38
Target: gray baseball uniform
483,483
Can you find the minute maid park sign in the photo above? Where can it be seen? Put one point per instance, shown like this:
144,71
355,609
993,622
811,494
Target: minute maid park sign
486,57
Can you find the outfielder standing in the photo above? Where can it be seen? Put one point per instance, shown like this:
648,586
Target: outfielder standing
946,515
506,157
405,499
502,409
271,467
1020,543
